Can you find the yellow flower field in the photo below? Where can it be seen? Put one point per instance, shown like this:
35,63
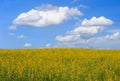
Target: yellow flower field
59,64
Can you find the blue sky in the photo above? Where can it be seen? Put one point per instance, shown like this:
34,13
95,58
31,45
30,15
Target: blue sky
60,23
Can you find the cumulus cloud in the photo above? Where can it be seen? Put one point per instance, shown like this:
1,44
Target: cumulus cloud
67,38
114,36
101,21
21,36
48,45
113,30
46,15
12,34
107,41
74,1
85,33
27,45
83,6
12,28
108,37
79,33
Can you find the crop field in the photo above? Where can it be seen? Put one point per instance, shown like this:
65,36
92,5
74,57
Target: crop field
59,64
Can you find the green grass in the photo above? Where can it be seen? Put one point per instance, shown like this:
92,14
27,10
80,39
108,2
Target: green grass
59,64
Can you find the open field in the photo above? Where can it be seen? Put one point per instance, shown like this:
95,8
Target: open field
59,65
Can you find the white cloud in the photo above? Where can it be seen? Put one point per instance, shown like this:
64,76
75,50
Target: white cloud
114,36
108,41
12,34
84,34
21,36
79,33
100,21
46,15
48,45
113,30
83,6
12,28
74,1
109,37
67,38
27,45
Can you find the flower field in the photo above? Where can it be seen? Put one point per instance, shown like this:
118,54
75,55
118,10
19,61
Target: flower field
59,64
